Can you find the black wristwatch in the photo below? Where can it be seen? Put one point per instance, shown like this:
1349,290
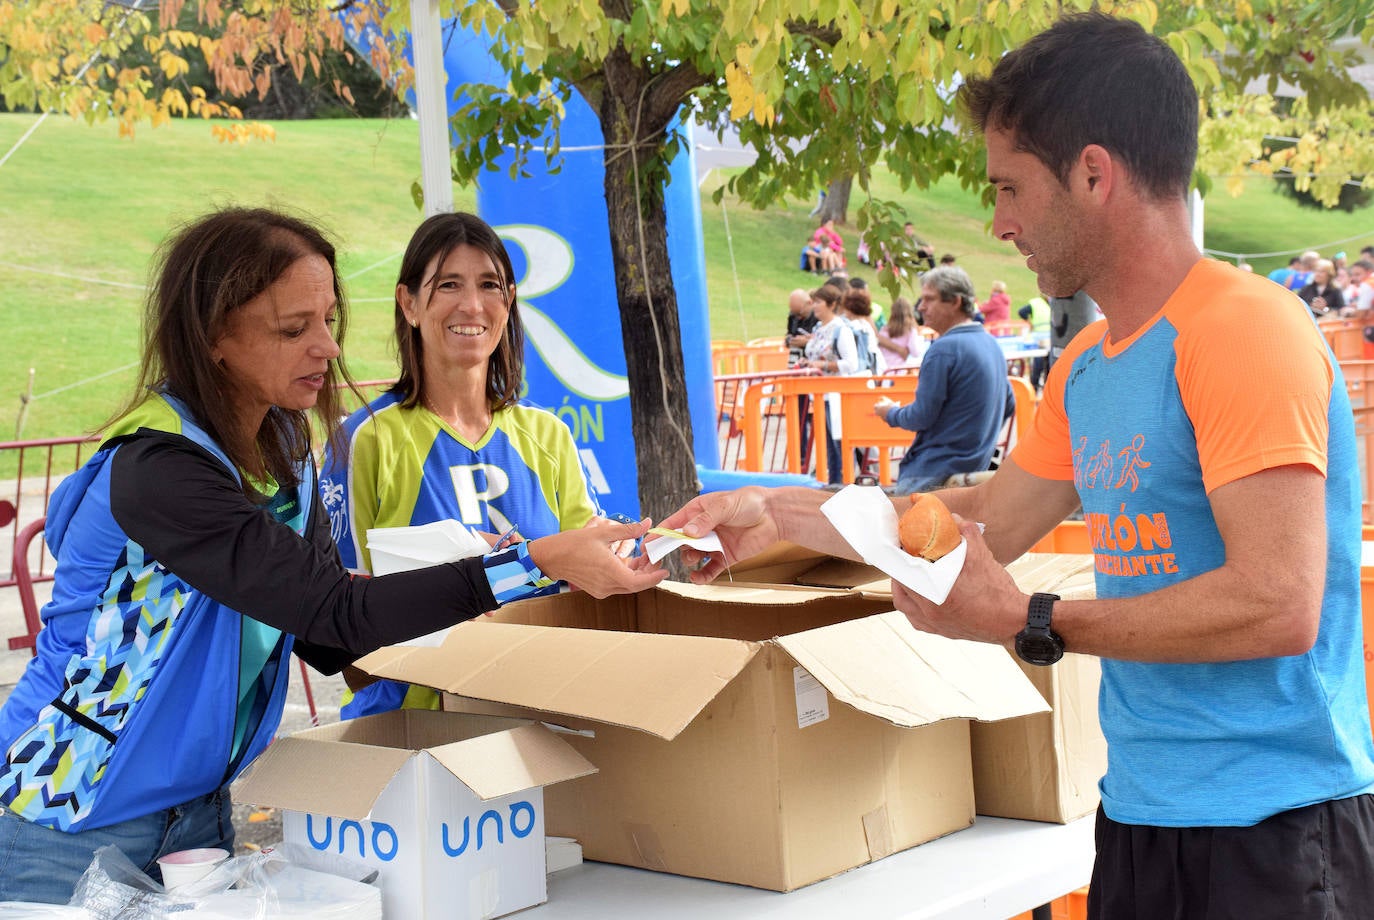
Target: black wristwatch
1037,643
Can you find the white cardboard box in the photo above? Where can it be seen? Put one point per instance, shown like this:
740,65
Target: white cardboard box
448,807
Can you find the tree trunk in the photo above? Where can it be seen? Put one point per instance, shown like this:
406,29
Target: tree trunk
660,419
836,206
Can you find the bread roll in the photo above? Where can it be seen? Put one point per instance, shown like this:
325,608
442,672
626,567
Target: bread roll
927,529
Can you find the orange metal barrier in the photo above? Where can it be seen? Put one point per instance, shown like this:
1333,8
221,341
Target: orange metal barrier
1359,384
748,359
730,389
1072,906
771,419
773,441
860,427
1068,537
1346,338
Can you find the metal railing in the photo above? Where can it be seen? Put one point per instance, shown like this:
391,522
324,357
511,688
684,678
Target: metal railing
39,464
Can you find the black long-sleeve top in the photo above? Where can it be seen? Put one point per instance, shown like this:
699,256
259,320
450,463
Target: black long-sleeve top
188,512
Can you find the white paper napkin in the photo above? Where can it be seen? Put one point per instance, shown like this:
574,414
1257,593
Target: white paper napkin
867,519
400,549
669,540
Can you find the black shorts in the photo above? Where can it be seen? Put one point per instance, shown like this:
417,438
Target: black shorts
1312,863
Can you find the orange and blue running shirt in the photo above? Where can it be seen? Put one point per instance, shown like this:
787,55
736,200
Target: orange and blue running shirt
1231,377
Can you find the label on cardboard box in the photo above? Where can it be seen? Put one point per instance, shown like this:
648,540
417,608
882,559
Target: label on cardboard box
813,703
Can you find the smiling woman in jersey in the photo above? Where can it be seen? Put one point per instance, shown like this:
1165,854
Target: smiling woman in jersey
194,556
451,440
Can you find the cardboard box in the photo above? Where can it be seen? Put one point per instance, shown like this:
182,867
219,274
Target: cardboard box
1042,767
448,807
788,564
724,752
1046,767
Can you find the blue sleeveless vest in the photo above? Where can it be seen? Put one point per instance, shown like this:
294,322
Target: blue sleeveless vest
129,706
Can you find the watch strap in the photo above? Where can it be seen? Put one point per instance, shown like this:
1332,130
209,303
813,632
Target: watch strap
1041,610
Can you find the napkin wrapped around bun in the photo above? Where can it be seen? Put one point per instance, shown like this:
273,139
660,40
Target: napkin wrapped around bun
927,529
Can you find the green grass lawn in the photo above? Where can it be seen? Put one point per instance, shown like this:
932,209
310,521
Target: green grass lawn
81,212
752,268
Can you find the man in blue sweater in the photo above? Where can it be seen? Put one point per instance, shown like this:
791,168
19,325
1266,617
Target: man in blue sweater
963,397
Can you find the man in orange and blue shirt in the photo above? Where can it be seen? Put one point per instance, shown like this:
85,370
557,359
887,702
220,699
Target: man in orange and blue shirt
1204,428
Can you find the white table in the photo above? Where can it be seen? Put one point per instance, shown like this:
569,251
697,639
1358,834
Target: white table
994,870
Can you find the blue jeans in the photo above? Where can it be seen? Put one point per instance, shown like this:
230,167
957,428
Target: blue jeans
43,865
833,461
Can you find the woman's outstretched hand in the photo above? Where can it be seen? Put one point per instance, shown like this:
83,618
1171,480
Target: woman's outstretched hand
586,558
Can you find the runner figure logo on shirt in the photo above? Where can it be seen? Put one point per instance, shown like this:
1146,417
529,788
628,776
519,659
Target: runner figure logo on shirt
1079,481
1100,465
1096,471
1133,462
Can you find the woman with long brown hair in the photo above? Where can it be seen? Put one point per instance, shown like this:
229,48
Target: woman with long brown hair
194,556
451,440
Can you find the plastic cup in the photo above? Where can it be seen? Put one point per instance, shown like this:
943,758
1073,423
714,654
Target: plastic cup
186,866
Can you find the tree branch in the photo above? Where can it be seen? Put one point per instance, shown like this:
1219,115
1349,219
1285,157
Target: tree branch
667,92
826,35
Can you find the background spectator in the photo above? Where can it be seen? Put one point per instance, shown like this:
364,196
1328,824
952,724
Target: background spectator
831,351
925,253
1307,263
900,340
825,252
963,397
1321,294
997,308
801,322
857,306
1284,275
1360,295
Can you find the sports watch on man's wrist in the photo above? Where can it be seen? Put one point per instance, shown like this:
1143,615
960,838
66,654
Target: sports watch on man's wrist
1037,643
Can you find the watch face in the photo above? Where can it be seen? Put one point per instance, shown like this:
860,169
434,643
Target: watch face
1039,648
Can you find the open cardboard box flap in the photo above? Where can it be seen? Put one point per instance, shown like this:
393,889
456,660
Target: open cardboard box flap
659,682
654,683
503,763
789,563
492,756
291,774
1070,575
883,666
